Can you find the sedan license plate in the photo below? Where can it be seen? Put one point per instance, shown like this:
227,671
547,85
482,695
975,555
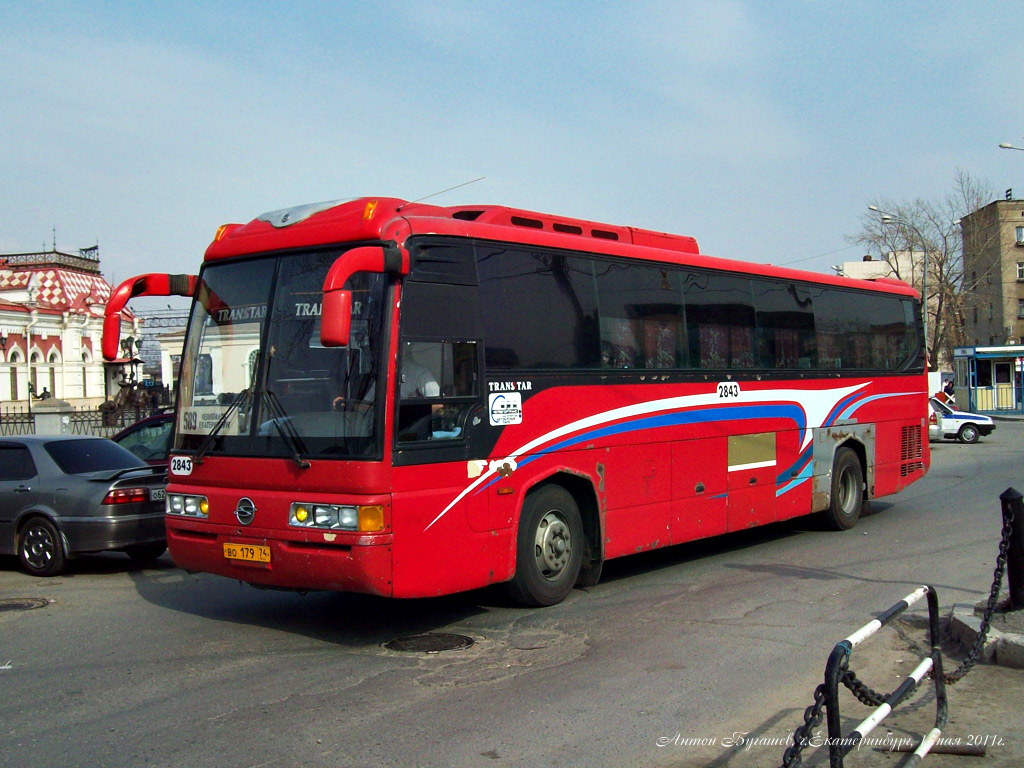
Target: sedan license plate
251,553
158,494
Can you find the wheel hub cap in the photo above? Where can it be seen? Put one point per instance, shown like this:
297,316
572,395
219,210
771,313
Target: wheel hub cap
39,548
553,545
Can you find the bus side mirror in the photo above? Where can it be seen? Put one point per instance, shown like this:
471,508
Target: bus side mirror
144,285
111,335
336,312
336,319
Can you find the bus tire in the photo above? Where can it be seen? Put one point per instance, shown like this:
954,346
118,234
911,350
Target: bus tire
549,547
847,491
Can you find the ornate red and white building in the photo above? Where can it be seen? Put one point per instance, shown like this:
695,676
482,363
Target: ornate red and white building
51,328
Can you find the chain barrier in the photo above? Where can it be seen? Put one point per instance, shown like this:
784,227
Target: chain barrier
864,694
814,714
997,580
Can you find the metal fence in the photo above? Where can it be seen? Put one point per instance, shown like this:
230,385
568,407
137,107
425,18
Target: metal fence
104,423
16,423
81,421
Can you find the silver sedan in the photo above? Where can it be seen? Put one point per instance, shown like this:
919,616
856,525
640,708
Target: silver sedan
61,496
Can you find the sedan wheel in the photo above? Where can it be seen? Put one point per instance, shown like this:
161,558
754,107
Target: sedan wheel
40,550
968,434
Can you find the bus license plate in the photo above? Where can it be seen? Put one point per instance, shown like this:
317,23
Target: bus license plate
252,553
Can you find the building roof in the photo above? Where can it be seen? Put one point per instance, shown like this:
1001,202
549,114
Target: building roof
54,280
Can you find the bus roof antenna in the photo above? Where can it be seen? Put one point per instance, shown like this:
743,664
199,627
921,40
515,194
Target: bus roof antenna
435,194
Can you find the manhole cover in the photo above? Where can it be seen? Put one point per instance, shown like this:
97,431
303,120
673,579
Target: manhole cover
432,642
23,604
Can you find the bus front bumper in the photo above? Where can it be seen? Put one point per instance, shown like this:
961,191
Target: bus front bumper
349,563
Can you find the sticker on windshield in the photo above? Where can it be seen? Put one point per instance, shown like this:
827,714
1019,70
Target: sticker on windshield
505,408
202,419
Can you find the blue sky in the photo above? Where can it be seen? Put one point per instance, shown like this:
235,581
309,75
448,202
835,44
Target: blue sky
761,129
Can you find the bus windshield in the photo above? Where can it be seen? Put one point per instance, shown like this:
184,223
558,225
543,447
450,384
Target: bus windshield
255,380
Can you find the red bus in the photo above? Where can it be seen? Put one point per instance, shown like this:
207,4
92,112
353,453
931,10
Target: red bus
411,400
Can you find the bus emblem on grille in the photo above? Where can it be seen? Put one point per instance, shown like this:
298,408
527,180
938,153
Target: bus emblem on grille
245,511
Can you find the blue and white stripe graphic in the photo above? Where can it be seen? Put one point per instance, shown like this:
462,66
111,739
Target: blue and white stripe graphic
806,408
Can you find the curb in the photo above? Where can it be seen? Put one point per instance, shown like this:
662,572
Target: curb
1005,649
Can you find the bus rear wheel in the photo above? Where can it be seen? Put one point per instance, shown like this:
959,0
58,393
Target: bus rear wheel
847,491
549,547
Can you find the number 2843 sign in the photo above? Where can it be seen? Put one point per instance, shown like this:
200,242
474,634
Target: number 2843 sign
728,390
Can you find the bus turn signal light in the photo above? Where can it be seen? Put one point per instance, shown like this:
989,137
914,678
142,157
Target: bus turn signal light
371,518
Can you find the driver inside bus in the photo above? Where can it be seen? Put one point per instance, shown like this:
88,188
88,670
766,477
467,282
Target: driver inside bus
361,402
417,379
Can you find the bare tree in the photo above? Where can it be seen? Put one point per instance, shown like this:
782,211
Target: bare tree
910,234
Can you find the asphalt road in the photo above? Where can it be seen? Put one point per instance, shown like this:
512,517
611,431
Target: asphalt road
130,667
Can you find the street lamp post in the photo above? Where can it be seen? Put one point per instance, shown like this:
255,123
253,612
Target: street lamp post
1010,146
887,217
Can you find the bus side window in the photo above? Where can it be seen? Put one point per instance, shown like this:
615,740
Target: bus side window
420,372
438,386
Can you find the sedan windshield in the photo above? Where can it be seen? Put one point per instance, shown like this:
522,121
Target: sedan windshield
255,379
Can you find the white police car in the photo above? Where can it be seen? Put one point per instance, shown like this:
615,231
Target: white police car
945,423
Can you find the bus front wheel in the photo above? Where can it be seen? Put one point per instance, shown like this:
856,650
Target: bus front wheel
549,547
847,491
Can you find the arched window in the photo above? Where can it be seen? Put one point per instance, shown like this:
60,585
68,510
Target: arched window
14,358
35,360
254,360
85,374
53,358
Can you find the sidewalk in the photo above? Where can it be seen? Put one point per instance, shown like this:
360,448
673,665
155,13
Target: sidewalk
1006,416
984,706
983,709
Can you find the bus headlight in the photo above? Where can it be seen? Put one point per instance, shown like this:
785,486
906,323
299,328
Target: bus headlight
187,505
337,517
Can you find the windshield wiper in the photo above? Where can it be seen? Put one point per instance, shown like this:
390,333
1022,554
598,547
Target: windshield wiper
281,421
245,396
283,424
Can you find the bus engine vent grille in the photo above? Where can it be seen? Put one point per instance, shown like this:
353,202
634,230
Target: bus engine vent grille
911,450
